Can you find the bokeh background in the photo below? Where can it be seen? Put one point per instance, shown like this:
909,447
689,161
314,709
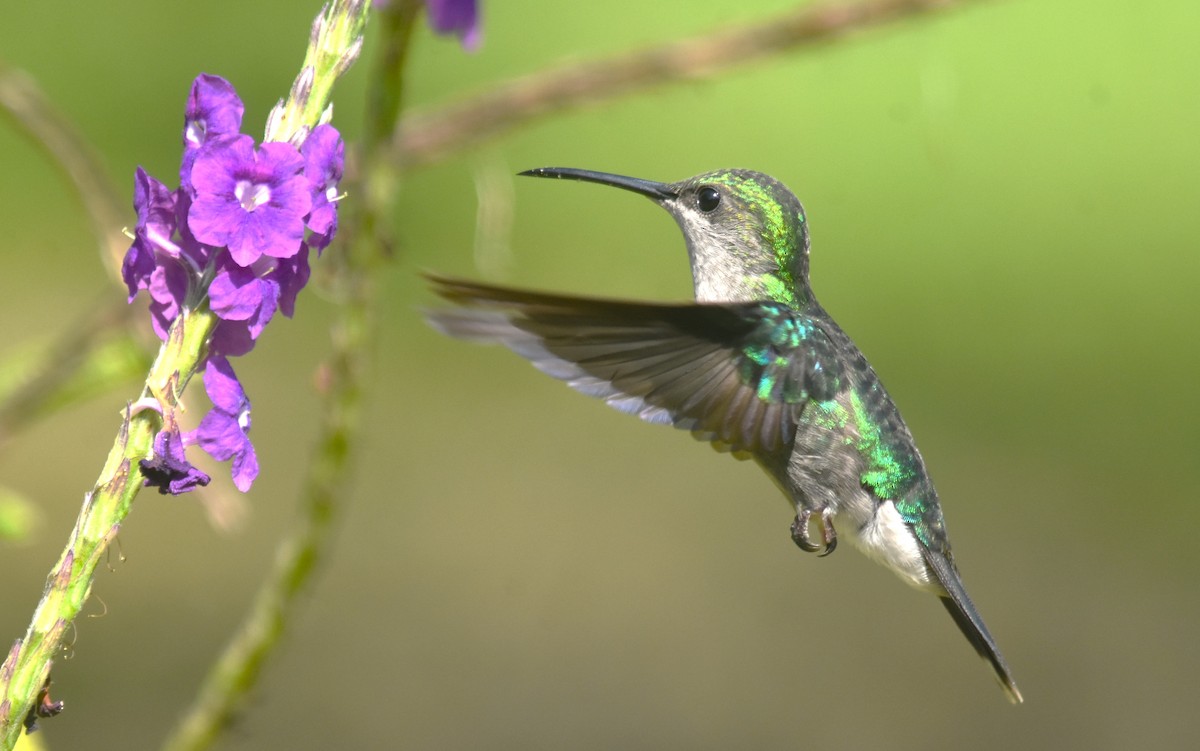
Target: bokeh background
1003,202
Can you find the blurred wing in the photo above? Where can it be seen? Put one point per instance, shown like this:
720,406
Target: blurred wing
734,374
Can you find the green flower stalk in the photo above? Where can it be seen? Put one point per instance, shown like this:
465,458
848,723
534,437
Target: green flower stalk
334,43
27,668
218,257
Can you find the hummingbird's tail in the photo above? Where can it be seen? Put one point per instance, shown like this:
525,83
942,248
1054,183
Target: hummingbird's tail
963,611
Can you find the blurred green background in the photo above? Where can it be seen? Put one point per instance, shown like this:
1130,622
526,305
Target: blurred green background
1003,203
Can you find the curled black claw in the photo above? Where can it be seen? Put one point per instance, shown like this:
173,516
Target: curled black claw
800,532
828,533
801,537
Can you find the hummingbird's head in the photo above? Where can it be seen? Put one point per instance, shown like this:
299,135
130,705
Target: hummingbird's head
747,236
746,233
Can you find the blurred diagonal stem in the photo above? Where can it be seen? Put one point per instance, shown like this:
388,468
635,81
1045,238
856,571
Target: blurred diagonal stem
425,137
96,352
45,379
25,104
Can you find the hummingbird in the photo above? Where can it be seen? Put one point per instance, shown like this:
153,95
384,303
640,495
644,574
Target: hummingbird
755,366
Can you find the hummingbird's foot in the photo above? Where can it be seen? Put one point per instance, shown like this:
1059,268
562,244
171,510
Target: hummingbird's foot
800,532
828,533
801,537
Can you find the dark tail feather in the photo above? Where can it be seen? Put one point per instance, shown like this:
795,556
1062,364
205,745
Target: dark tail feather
962,610
979,637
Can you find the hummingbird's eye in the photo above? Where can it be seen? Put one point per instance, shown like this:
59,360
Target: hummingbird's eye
708,199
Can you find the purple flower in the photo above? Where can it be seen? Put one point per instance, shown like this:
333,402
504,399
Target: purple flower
459,17
213,111
292,274
324,157
223,431
137,268
232,235
168,291
252,201
231,338
224,437
169,470
197,253
155,207
239,294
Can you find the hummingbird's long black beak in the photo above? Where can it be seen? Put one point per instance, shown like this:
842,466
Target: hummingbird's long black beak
657,191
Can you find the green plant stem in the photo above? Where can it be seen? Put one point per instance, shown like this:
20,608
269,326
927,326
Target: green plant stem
328,486
104,508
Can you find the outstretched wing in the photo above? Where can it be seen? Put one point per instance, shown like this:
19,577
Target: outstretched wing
734,374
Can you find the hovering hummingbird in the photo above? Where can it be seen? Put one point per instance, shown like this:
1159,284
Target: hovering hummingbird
756,366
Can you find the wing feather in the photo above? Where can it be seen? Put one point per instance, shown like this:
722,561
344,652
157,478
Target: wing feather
733,374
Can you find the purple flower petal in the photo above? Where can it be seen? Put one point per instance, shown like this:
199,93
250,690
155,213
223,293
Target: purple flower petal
137,268
169,470
197,252
223,388
231,338
160,319
238,294
245,467
223,431
266,311
218,434
459,17
155,206
168,289
253,202
213,111
324,159
223,438
291,274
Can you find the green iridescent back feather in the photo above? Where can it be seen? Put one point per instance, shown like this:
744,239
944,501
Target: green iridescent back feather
894,470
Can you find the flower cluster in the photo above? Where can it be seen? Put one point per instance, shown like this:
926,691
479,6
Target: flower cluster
236,232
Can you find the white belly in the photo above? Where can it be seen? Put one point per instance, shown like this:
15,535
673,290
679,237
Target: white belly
886,538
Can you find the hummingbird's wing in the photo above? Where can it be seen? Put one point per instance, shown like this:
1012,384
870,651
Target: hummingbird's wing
734,374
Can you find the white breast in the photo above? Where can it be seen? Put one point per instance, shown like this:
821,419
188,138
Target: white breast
886,538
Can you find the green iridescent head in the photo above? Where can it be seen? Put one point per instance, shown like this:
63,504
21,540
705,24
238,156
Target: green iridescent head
746,233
